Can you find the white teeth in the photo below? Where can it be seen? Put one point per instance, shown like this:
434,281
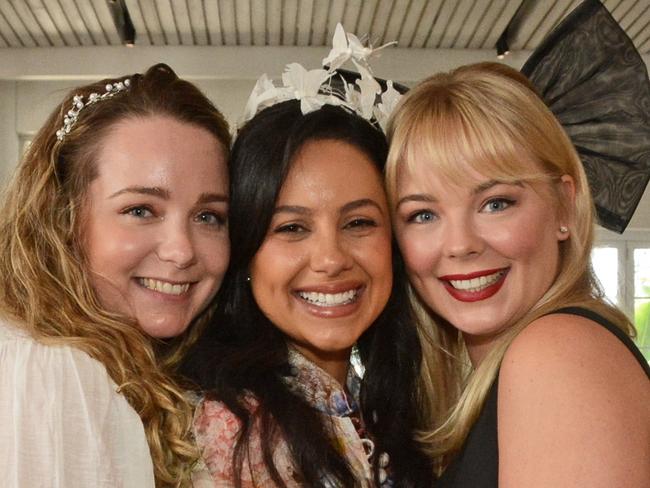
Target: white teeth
164,286
477,284
329,299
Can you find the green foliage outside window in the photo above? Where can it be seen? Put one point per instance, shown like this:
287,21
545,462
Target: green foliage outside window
642,323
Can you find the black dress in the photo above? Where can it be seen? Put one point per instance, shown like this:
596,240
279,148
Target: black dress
477,465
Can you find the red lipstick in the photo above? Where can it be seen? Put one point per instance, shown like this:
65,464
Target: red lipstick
475,296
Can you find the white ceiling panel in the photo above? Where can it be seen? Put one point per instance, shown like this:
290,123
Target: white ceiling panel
17,25
27,17
168,22
258,23
456,22
54,22
549,18
450,24
75,21
289,19
366,15
425,23
320,23
106,21
197,22
243,23
8,34
91,22
303,22
182,21
213,23
414,12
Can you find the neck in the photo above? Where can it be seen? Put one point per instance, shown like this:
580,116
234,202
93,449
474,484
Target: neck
478,347
333,363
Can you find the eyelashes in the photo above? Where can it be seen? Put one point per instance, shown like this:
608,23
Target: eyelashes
204,217
355,224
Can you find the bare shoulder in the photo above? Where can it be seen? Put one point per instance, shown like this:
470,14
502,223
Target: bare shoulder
571,348
573,408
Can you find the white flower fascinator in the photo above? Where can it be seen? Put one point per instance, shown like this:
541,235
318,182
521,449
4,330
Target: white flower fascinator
315,88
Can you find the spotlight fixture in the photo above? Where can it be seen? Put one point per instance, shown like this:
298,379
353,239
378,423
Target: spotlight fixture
502,45
514,24
123,22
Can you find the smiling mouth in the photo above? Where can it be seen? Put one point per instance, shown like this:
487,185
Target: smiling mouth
330,299
479,283
164,286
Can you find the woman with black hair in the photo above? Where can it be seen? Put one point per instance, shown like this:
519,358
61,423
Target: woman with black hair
312,274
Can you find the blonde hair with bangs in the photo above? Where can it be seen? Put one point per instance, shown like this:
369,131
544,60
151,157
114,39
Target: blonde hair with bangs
44,282
489,118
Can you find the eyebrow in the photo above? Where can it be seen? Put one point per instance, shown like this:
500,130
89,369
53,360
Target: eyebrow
155,191
363,202
422,197
417,197
212,198
163,193
291,209
489,184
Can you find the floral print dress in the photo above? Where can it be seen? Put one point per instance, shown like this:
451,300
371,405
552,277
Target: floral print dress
216,429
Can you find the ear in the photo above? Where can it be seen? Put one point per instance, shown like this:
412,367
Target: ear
567,194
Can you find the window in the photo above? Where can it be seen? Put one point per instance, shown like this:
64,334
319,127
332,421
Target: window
641,298
623,269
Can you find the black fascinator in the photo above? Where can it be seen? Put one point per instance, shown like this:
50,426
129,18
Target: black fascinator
593,79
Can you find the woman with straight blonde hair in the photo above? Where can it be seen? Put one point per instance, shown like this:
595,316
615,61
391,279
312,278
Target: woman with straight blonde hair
113,240
540,383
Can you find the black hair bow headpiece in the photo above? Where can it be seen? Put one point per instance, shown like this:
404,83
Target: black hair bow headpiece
593,79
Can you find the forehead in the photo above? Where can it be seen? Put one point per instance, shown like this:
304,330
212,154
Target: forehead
328,170
160,151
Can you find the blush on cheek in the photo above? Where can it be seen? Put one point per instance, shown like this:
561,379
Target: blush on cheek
417,257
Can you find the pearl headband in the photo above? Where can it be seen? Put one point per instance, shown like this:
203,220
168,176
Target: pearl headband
78,104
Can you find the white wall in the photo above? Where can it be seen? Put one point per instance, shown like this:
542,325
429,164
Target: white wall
33,81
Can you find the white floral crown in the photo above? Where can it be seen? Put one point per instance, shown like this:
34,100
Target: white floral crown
314,87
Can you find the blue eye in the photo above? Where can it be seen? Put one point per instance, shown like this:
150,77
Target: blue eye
497,205
422,217
211,218
140,211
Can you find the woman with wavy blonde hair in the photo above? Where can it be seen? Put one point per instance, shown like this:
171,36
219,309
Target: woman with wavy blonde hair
113,240
494,216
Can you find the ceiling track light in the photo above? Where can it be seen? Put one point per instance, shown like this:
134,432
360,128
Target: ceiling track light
123,22
503,42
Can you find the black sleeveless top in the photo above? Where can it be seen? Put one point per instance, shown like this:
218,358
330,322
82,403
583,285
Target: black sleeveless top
477,465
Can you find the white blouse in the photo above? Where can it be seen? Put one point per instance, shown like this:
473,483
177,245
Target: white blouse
62,423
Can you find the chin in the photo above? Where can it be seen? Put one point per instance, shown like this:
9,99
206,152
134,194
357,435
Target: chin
165,331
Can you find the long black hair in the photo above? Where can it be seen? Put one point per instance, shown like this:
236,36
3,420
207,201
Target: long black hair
245,352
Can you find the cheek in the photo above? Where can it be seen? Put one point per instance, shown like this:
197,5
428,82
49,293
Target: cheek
525,240
109,250
272,269
215,256
419,251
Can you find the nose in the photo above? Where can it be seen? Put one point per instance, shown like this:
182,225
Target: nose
461,239
329,254
176,245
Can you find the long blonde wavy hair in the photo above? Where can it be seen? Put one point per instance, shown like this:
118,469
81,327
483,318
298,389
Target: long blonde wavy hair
44,282
488,117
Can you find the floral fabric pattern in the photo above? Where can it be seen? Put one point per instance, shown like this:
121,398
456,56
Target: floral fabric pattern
217,429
